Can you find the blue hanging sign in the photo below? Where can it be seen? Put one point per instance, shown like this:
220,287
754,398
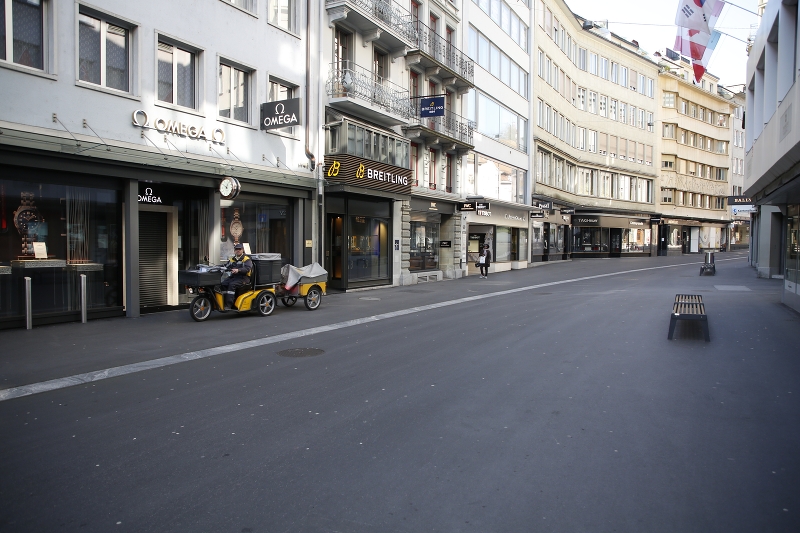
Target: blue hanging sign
431,107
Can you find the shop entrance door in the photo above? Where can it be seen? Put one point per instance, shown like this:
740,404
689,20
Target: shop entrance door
685,242
158,257
616,240
333,253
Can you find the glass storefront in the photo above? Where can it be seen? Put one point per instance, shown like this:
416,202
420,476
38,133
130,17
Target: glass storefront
54,233
263,223
792,259
635,240
537,240
590,239
424,246
368,253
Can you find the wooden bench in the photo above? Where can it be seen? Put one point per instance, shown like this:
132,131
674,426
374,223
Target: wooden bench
688,307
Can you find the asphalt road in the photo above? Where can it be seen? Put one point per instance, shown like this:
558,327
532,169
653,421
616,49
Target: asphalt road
540,400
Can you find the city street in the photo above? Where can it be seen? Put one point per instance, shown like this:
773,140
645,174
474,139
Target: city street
546,399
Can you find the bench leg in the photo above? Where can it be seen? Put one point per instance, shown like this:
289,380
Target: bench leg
672,322
705,330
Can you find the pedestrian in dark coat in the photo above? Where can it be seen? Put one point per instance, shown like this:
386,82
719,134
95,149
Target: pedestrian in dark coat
486,254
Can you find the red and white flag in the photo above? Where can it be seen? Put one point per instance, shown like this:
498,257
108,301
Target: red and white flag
699,66
700,15
691,43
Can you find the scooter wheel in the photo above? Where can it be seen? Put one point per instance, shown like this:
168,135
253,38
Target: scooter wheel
289,301
313,298
200,309
265,303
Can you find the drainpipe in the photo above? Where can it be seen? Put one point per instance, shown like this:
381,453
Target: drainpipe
311,159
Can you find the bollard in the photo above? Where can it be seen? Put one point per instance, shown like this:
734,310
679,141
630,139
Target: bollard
83,298
28,305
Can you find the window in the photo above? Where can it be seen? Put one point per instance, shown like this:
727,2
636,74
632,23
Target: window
247,5
22,32
592,63
177,78
669,99
591,142
612,110
380,65
623,76
234,94
281,14
614,72
722,147
279,91
650,123
580,140
592,102
669,131
582,58
668,164
604,68
632,116
500,123
603,105
103,53
622,112
650,88
721,174
684,107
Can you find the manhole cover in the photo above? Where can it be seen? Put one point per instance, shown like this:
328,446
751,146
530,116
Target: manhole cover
370,298
301,352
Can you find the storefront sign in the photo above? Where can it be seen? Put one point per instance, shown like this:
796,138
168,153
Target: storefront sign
567,210
635,223
362,172
739,200
445,244
431,107
142,120
743,209
147,195
537,215
585,221
474,206
655,220
543,205
281,114
520,218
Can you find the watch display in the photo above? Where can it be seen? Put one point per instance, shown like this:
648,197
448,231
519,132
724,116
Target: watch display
27,220
236,226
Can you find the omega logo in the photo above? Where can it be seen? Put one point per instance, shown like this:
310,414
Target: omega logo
149,198
141,119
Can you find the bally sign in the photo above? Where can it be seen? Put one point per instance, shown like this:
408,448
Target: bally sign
281,114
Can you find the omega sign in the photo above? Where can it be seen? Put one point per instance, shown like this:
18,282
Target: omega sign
148,197
141,119
280,114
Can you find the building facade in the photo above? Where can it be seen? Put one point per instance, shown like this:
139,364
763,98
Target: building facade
392,177
135,148
695,148
740,207
771,144
594,140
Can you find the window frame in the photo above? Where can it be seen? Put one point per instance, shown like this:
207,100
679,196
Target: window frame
132,28
252,90
49,57
292,16
198,73
294,88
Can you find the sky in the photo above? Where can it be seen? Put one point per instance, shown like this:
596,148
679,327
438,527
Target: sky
652,24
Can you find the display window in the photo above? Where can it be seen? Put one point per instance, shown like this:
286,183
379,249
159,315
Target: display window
368,252
262,224
590,239
792,259
54,233
424,246
635,240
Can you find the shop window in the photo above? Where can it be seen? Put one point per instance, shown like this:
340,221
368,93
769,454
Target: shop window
282,14
53,234
635,240
368,250
234,93
264,226
590,239
104,51
424,247
22,37
177,75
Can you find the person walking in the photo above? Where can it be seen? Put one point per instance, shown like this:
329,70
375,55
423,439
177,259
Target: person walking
484,261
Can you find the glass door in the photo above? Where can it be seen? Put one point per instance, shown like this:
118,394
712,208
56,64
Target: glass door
333,253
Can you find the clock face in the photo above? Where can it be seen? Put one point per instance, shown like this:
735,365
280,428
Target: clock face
24,217
229,188
236,229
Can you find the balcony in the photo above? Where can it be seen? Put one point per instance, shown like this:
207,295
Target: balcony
441,59
450,132
377,20
356,90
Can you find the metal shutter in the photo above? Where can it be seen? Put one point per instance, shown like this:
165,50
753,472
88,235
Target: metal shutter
152,258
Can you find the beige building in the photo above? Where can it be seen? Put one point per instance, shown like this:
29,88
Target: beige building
593,139
694,147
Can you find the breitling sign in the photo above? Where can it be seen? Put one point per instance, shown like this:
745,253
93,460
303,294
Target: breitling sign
366,173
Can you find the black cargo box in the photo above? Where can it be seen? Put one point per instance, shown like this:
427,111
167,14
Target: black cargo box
195,278
267,271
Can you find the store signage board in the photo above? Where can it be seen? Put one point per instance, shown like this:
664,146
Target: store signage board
141,119
567,210
360,172
474,206
537,215
149,194
585,221
280,114
743,209
445,244
431,107
740,200
538,204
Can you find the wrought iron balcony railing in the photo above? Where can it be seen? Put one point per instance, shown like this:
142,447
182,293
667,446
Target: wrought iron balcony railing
436,46
452,125
346,79
386,12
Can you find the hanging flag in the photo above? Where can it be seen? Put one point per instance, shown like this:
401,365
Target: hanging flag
700,66
691,43
700,15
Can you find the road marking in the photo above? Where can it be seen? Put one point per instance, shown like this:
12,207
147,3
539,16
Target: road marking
90,377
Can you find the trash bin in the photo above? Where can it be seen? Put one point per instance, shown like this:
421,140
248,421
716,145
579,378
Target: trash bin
709,258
